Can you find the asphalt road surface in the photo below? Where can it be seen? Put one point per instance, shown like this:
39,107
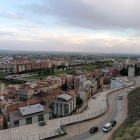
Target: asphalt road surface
118,109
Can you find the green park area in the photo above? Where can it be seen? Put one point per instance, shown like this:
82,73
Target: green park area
9,83
91,67
44,76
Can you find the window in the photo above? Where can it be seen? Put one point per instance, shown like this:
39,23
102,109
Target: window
28,121
40,117
16,123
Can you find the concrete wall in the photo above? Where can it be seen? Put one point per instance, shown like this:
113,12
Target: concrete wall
115,83
34,119
46,116
22,122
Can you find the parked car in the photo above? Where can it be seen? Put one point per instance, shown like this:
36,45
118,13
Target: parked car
107,127
93,129
113,123
120,97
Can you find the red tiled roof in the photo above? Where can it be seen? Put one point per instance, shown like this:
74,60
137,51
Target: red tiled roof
34,101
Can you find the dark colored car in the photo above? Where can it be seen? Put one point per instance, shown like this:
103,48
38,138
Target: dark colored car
93,129
113,123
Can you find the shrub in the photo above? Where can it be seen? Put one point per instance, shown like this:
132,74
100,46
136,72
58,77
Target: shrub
120,133
127,136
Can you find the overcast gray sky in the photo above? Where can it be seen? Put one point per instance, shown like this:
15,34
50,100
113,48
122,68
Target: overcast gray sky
70,25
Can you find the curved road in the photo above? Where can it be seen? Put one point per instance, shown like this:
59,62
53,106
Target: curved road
118,112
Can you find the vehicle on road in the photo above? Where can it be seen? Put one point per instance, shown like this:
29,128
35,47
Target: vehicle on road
113,123
131,87
128,90
107,127
120,97
93,129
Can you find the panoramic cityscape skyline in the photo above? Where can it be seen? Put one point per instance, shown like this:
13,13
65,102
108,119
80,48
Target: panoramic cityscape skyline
72,26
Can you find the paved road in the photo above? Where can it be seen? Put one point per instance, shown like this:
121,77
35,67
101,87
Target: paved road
118,112
116,109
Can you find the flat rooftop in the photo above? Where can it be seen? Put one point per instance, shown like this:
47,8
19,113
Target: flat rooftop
17,115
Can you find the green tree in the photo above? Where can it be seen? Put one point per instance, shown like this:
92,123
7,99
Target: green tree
52,70
64,87
124,71
79,101
61,67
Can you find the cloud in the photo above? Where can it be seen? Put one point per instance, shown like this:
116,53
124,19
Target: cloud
100,43
11,15
5,33
27,27
92,14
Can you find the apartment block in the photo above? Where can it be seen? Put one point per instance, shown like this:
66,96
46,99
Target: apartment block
7,68
25,94
63,105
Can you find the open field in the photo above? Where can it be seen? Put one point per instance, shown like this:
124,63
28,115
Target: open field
9,83
130,129
44,76
91,67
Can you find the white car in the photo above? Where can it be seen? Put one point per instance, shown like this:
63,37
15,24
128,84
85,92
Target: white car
128,90
131,87
120,97
107,127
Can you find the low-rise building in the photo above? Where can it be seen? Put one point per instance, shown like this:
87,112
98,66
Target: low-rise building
25,94
114,72
87,90
29,114
117,82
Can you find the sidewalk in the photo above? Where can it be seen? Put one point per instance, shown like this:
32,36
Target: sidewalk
81,109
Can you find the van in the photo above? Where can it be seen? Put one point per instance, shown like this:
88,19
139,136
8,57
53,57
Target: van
107,127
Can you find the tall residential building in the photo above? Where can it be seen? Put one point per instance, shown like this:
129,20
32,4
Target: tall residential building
131,69
63,105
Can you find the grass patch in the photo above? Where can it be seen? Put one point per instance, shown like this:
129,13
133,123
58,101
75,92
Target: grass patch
44,76
9,83
89,67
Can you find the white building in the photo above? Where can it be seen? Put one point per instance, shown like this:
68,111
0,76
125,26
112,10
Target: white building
131,69
78,80
87,89
126,61
29,114
63,105
117,82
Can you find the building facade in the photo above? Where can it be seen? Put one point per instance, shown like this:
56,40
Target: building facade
29,114
131,69
63,105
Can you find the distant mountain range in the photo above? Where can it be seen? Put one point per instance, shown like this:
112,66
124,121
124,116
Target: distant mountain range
16,51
